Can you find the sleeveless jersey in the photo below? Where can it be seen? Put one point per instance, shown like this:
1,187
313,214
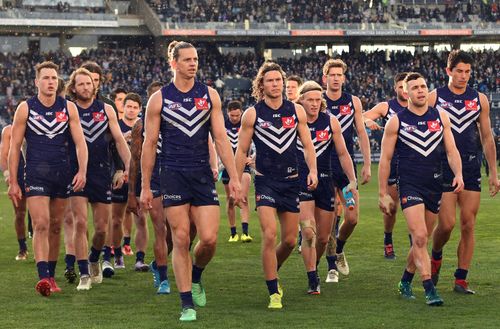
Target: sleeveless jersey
275,139
232,131
185,127
393,108
343,110
463,111
47,133
420,143
321,135
95,126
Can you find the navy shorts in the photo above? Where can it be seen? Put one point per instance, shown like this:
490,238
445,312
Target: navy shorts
98,186
282,194
393,176
154,184
51,181
471,172
225,176
20,177
120,195
340,179
196,187
420,185
324,194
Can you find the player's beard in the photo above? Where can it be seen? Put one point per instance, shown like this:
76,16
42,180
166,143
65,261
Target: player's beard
83,98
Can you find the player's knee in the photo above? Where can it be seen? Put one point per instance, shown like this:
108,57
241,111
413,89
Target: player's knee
420,240
323,239
269,237
467,226
230,202
20,215
55,229
308,234
181,240
41,228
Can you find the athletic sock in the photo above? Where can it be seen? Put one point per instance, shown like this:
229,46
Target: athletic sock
43,269
126,240
197,271
162,269
428,285
52,268
107,253
83,267
70,260
233,231
94,255
437,255
407,276
337,225
387,238
22,244
313,278
186,299
340,246
140,256
244,228
331,262
272,286
461,274
118,252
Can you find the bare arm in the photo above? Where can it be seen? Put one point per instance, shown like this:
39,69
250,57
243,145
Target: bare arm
364,143
152,130
17,135
82,154
244,139
309,152
377,112
488,142
344,156
214,165
452,154
388,146
121,144
135,151
4,148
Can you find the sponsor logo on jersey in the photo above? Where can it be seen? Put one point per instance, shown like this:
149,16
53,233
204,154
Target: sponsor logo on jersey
174,106
265,124
322,135
98,116
288,122
61,117
201,103
433,126
470,105
410,129
345,109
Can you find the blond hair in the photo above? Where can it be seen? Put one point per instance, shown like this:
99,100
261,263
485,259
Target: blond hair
72,81
311,86
334,63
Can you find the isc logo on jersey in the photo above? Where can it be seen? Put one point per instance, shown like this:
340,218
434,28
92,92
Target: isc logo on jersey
321,135
288,122
345,109
98,116
61,117
433,126
201,103
470,105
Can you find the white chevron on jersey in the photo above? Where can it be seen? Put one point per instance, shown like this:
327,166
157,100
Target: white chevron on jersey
187,121
425,144
460,118
233,138
45,128
277,139
319,147
391,113
344,120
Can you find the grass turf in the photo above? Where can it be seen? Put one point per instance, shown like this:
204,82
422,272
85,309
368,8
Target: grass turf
237,294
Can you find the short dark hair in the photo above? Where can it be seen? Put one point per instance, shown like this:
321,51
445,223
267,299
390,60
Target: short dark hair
92,67
400,77
133,97
60,86
153,85
458,56
295,78
117,91
413,76
234,105
45,65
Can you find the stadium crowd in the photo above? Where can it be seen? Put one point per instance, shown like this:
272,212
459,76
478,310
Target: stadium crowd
458,12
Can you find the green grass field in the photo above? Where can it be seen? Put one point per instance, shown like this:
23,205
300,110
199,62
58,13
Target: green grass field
237,294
